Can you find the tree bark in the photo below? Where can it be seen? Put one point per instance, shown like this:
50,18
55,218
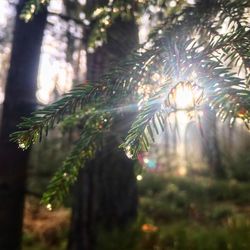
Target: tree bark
211,145
19,101
106,192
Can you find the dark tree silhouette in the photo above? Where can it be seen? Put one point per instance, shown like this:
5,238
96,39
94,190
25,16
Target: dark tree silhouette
19,101
211,148
106,193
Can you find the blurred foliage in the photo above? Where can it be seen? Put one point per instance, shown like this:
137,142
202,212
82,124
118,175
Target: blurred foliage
102,14
32,7
30,242
238,168
196,212
122,239
177,213
44,229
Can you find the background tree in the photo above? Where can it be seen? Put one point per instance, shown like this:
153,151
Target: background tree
19,101
105,195
210,141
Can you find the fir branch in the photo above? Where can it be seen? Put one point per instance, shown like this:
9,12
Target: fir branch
114,89
33,128
119,84
234,10
63,179
143,128
31,8
227,94
149,121
84,150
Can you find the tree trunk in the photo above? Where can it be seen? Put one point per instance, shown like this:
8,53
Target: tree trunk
19,101
211,145
106,192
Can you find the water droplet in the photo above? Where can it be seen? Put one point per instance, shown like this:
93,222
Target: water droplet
139,177
128,152
49,207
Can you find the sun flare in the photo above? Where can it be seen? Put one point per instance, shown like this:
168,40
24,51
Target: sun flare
185,96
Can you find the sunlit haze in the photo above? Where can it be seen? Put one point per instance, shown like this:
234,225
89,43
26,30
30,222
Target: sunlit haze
56,74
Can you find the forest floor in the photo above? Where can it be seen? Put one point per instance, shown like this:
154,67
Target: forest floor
44,229
175,213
